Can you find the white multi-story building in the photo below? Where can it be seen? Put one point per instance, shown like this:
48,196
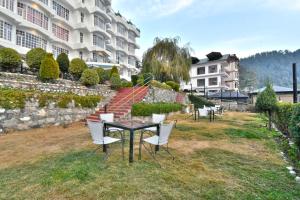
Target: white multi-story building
214,73
86,29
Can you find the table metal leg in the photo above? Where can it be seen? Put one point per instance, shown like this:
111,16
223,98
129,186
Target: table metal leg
157,133
131,141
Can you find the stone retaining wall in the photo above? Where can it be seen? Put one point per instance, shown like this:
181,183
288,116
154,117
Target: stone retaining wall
32,116
156,95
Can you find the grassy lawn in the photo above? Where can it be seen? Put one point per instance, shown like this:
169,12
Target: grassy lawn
233,158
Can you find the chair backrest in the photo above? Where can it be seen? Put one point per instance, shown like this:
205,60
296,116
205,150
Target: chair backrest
107,117
96,129
158,118
203,112
164,133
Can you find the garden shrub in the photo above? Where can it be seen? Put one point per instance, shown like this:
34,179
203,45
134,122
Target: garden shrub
34,57
115,81
173,85
103,76
158,84
295,124
145,109
140,81
126,84
89,77
77,66
148,77
134,79
283,116
49,69
114,70
63,62
200,102
9,58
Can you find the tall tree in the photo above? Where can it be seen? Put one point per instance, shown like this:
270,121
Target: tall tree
266,102
166,60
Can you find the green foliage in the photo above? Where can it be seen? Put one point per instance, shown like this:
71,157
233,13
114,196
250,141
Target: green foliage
89,77
114,70
148,77
115,81
166,60
103,76
140,80
126,84
16,98
9,58
295,124
49,69
77,66
134,79
34,57
173,85
266,100
63,62
158,84
200,102
283,115
144,109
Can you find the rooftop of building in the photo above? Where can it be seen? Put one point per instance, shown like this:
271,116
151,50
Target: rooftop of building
277,89
213,57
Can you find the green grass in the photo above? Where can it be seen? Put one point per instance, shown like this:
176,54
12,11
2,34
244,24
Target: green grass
204,173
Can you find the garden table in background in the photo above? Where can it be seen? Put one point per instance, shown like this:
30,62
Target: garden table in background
132,126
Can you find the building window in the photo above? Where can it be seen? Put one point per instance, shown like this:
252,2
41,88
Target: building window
80,55
99,22
81,37
30,41
61,11
213,69
97,57
81,17
8,4
131,36
32,15
121,29
120,43
213,81
58,50
5,30
131,49
60,32
99,4
200,70
98,41
131,61
201,82
120,57
44,1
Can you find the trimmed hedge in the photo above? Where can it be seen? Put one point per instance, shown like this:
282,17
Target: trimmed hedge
34,57
173,85
49,69
103,76
16,98
295,124
89,77
283,115
145,109
114,70
126,84
158,84
77,66
134,79
63,62
115,81
9,58
200,102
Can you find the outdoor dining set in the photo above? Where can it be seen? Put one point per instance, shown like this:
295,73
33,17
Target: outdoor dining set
101,132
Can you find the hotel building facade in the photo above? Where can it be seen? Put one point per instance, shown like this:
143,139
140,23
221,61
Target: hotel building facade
86,29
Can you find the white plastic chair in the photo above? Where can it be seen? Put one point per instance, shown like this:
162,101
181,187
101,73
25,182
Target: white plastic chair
161,140
203,112
96,129
157,119
109,117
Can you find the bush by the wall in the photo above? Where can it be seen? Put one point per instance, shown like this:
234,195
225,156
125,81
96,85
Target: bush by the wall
114,70
200,102
173,85
295,124
115,81
126,84
89,77
158,84
145,109
103,76
9,58
283,116
77,66
49,69
134,79
34,57
63,62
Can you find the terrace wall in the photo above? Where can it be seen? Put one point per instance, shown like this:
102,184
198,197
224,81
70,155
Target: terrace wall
156,95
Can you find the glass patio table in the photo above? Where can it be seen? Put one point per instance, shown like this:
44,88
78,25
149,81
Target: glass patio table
131,126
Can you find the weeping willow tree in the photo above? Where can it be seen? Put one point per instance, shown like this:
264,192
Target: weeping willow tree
167,61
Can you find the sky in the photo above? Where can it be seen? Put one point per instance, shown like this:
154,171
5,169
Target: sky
242,27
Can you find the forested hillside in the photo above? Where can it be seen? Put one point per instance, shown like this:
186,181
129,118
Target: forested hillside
275,66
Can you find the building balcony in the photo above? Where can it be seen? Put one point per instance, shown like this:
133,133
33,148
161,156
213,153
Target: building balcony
109,28
99,30
102,12
109,44
100,49
81,26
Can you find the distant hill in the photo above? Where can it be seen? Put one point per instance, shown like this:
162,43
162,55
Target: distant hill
275,66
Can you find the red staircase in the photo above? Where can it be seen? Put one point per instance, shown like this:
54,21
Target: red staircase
121,104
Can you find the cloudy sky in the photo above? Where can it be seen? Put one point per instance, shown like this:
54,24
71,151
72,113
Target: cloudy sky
243,27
